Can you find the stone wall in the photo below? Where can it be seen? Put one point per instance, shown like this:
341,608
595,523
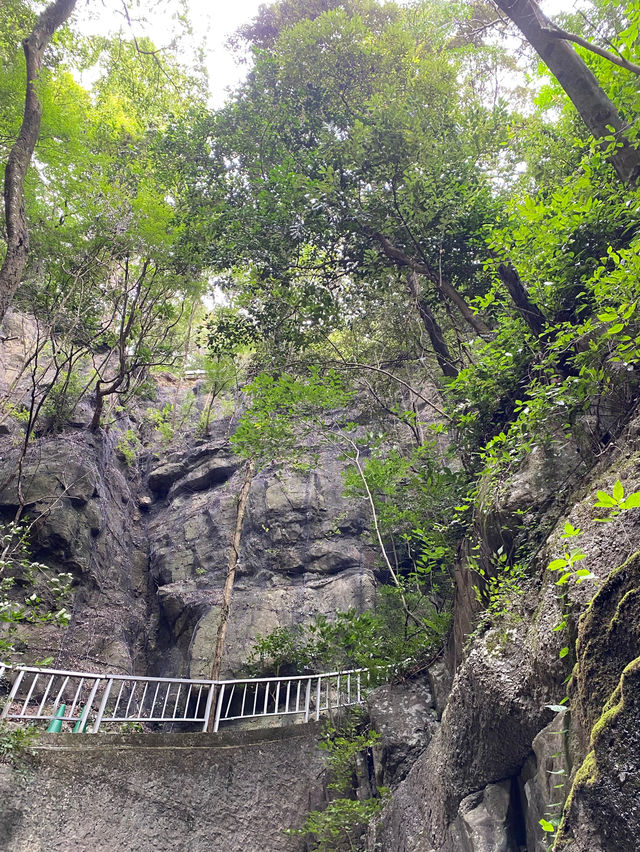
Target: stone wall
149,793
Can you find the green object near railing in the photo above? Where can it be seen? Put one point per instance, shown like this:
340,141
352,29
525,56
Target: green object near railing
80,727
55,725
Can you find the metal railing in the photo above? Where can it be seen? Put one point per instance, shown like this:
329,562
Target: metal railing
87,701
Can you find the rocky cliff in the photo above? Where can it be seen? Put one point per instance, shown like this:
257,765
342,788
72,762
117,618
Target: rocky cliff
507,751
147,538
478,749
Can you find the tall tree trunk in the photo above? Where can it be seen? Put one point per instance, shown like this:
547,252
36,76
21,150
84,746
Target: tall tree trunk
53,17
439,344
529,312
447,289
231,576
580,85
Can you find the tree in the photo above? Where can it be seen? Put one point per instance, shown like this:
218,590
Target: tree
596,109
348,159
51,19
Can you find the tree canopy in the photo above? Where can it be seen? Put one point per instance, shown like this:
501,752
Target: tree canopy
399,202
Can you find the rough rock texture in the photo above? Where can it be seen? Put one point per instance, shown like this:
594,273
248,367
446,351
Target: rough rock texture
404,716
497,728
603,810
484,822
144,793
85,521
608,640
544,780
148,549
302,553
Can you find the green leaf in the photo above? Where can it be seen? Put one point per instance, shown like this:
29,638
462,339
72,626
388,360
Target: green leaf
631,502
556,564
546,825
569,531
577,556
618,491
605,499
563,653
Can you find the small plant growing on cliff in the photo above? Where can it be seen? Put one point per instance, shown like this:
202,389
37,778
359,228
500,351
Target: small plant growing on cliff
19,572
16,744
616,502
342,824
162,422
128,446
499,591
568,560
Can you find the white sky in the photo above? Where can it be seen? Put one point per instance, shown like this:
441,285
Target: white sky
213,22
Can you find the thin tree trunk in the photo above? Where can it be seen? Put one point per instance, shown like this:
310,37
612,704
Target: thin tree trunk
53,17
439,344
529,312
376,527
447,289
231,576
581,86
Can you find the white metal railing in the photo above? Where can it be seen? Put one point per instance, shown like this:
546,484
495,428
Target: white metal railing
85,701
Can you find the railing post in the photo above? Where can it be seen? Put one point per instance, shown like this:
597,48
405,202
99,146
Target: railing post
12,694
103,706
318,689
87,706
307,700
216,723
207,708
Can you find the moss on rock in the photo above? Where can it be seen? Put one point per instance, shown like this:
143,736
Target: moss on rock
608,639
602,811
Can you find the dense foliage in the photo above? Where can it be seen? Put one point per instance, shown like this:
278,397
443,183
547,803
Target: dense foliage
416,259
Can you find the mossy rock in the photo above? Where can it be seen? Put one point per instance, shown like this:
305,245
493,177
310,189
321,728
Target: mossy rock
602,813
608,640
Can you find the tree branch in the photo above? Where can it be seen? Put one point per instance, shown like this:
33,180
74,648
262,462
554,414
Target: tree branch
620,61
447,289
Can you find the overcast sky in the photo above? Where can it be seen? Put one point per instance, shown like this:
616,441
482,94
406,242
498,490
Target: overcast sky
213,22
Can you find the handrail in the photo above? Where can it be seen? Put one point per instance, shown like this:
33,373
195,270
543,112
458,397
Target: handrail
94,699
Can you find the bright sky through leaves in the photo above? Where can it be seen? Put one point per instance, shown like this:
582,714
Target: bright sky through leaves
212,24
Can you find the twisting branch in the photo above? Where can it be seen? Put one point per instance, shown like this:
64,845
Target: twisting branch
51,19
447,289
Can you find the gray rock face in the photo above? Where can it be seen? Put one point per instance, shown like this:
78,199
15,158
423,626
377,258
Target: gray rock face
85,521
149,557
483,823
544,781
496,731
302,553
404,716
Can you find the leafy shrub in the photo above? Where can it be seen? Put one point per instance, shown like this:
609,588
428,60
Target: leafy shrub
19,572
341,825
